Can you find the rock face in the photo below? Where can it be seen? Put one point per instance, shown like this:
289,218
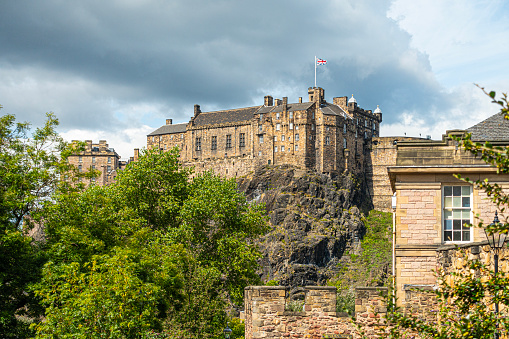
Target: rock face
314,220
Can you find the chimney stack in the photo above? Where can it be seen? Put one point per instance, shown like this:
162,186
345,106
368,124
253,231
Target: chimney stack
268,100
196,110
169,121
277,102
137,153
300,100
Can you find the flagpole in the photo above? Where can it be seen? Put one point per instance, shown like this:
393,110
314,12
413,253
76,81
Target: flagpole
315,70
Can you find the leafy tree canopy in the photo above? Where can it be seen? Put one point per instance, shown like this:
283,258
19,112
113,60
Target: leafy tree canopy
160,250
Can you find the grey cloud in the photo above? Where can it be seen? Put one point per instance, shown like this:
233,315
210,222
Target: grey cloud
220,54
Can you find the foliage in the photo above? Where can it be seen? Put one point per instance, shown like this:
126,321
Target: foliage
465,301
160,253
272,282
294,306
345,301
467,298
31,166
371,265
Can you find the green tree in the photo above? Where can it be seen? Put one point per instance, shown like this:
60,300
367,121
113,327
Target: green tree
185,241
31,165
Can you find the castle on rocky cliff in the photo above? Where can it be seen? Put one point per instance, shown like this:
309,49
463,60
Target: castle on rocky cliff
315,134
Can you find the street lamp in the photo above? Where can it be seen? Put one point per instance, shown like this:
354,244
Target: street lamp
496,240
227,332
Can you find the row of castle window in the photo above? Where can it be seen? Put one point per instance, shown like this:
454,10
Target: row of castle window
213,142
282,149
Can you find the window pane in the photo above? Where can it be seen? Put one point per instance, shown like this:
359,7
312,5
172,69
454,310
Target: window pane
465,190
456,224
456,191
465,202
448,224
466,235
448,202
448,191
456,214
447,214
456,236
456,202
448,236
465,214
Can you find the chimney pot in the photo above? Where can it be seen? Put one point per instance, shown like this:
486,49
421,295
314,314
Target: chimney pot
300,100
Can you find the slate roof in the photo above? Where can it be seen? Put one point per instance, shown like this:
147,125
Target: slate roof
330,109
228,116
495,128
293,107
170,129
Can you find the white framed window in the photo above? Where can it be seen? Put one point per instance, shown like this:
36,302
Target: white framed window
296,137
282,148
277,116
291,115
275,149
275,138
80,158
296,148
290,126
283,137
109,160
93,160
278,127
327,140
456,212
259,153
344,128
260,139
296,126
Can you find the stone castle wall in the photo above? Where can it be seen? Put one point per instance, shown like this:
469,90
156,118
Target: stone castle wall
266,317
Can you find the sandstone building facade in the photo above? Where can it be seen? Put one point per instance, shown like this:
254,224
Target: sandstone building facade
316,134
99,157
433,206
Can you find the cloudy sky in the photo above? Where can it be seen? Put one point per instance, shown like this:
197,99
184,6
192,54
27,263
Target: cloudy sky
117,69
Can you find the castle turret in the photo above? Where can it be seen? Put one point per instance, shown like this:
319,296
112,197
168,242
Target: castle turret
316,94
378,113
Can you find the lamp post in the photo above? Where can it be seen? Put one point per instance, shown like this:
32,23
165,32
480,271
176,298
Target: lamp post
227,332
496,240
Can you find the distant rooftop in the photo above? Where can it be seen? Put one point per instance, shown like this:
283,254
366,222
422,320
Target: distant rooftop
495,128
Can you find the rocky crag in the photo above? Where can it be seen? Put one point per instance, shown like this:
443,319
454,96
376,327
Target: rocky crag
315,219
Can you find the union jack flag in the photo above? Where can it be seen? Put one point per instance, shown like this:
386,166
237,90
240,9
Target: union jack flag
321,61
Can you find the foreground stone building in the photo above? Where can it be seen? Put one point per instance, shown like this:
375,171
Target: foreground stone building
433,206
316,134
